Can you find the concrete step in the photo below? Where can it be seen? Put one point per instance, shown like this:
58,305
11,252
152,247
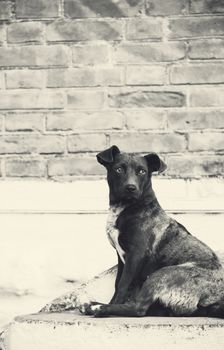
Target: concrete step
70,331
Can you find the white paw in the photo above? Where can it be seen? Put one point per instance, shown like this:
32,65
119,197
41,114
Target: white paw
95,307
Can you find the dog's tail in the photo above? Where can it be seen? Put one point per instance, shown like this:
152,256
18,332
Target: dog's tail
214,310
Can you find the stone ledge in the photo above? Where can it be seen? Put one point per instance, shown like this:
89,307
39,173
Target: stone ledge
83,196
69,331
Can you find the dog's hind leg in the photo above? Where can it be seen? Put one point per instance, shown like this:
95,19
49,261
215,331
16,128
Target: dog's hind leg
180,290
168,287
187,290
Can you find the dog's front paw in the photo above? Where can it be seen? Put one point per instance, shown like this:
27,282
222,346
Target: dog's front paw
96,310
90,308
100,311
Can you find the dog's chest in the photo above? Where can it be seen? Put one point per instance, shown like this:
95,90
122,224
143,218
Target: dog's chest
112,232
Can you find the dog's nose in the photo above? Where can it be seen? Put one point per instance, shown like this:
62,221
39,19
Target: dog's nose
131,188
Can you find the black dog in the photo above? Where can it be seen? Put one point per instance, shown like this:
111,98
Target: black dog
162,268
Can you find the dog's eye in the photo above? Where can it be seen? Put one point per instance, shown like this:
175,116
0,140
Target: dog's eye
141,172
119,170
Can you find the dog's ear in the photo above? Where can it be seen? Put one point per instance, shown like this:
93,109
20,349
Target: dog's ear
155,163
107,157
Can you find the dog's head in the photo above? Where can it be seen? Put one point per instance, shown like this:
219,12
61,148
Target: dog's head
129,175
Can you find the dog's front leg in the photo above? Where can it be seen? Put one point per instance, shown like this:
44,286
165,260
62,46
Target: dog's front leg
120,268
130,270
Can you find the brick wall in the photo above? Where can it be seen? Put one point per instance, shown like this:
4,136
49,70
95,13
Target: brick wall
77,76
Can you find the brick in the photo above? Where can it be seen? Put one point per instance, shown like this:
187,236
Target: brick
85,77
195,27
90,54
5,10
43,144
145,75
84,30
2,80
213,141
149,142
207,6
16,79
111,76
1,122
206,49
84,121
207,97
34,56
148,52
71,77
101,8
86,142
167,7
86,99
185,120
194,166
144,28
24,122
197,73
2,34
24,32
74,166
25,168
145,120
142,99
37,8
31,100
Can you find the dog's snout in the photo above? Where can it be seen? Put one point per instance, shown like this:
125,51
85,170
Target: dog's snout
131,188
